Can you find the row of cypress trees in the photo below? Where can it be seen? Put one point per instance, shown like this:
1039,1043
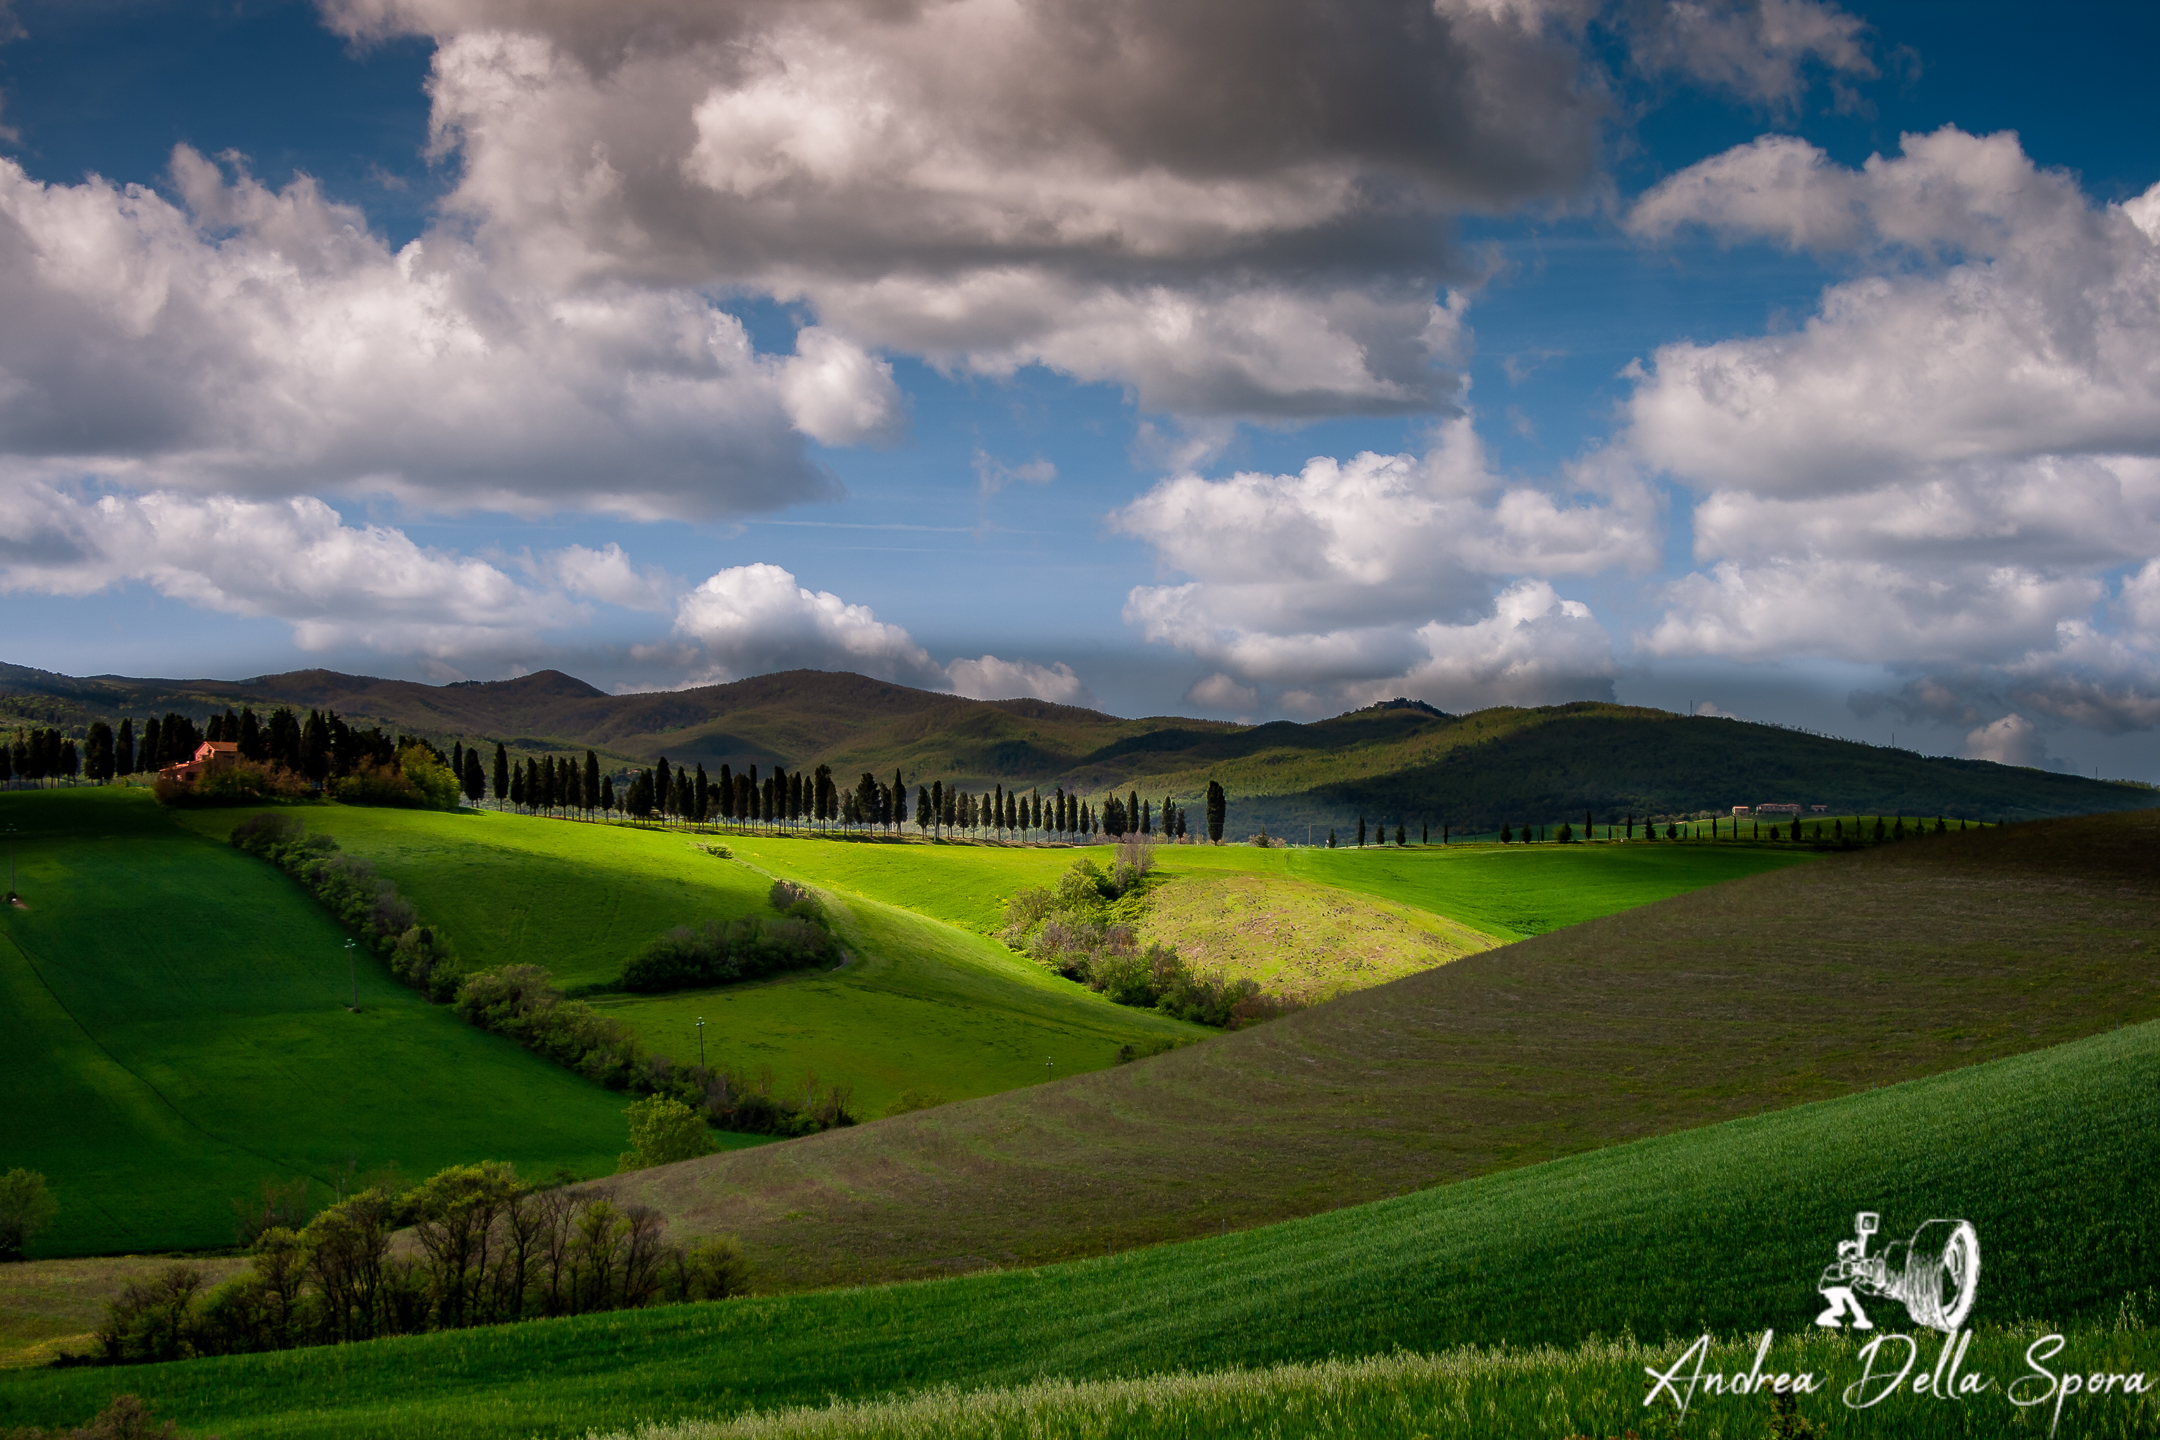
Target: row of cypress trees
781,798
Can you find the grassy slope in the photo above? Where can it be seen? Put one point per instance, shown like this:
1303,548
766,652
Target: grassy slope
1810,982
920,1006
1719,1229
1503,890
173,1032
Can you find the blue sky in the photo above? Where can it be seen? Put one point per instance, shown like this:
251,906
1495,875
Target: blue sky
1033,348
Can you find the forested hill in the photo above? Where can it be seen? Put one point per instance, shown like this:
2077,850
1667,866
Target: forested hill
1610,763
1397,762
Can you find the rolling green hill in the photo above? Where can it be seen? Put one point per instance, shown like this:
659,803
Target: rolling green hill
1396,761
1809,982
173,1033
919,1006
1719,1229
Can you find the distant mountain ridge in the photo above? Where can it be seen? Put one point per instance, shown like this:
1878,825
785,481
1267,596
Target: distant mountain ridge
1397,762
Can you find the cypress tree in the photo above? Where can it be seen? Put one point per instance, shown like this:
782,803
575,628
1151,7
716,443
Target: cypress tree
925,813
457,760
502,774
899,800
1507,834
1147,821
607,792
937,802
1331,837
474,781
1361,832
124,748
152,741
661,781
98,752
1132,812
1398,835
517,784
592,779
727,793
1217,804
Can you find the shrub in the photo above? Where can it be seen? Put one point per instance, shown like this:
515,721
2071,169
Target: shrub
126,1417
26,1207
663,1130
719,952
791,899
710,1269
912,1100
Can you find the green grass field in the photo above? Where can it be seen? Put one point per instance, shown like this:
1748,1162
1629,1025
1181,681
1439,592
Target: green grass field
1506,891
920,1006
173,1032
1721,1229
1805,983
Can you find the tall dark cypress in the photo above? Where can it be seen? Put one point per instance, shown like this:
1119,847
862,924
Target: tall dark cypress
899,799
502,774
153,741
124,747
1361,832
661,781
517,784
701,795
727,793
457,760
937,801
474,779
251,736
1218,804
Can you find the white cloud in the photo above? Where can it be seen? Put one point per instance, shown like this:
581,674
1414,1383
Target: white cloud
1222,695
607,574
749,619
837,394
1862,610
337,585
2012,740
993,475
1100,186
2023,322
990,678
1761,50
1360,572
1941,468
264,342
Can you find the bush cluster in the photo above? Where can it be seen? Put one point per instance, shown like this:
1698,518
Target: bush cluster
488,1249
244,782
720,951
416,778
366,902
1082,930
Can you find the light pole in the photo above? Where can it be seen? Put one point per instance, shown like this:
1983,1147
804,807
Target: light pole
701,1042
1047,1073
352,966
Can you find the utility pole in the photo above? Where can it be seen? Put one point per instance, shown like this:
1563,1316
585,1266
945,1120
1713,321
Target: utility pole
1047,1076
701,1042
352,966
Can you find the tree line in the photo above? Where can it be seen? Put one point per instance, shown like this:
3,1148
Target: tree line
522,1002
489,1249
812,799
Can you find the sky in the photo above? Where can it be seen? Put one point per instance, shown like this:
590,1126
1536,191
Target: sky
1243,358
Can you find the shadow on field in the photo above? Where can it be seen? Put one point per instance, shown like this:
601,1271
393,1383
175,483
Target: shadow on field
1821,980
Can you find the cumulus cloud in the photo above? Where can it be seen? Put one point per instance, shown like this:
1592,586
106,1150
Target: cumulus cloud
990,678
2008,319
1115,190
608,574
337,585
262,342
1760,50
2012,740
749,619
1222,695
1375,570
1942,467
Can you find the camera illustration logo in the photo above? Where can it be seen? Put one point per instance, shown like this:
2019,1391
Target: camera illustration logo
1935,1275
